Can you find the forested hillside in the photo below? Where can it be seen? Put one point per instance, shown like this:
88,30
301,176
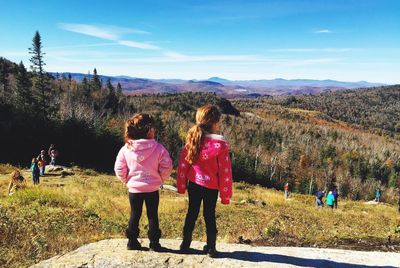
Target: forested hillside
271,142
377,107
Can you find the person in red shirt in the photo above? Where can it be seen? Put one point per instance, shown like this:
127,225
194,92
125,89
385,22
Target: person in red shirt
204,170
286,188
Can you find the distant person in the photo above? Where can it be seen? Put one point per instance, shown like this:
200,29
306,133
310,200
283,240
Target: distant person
204,169
142,164
330,199
319,199
378,195
53,154
35,171
42,161
336,196
398,195
17,182
286,189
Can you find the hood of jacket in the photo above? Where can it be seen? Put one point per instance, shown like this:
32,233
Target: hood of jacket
212,146
142,148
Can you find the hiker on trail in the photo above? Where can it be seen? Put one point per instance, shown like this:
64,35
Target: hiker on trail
204,168
319,198
335,195
286,188
17,182
53,153
142,164
378,195
35,171
42,160
330,199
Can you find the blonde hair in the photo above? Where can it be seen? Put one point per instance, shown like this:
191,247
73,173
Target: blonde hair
16,176
138,127
206,117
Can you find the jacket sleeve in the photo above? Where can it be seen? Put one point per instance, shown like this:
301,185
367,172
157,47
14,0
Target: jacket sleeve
121,167
225,176
164,164
183,169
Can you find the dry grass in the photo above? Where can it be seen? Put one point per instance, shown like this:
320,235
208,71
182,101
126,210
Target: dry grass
40,222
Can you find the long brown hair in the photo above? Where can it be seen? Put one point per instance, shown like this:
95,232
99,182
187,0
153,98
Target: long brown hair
138,127
206,117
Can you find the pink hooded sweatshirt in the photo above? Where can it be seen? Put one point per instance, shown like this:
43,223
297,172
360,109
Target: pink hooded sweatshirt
143,165
212,169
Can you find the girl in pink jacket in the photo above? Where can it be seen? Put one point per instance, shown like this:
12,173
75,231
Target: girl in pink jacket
204,169
142,164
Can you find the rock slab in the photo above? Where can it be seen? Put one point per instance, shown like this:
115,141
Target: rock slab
113,253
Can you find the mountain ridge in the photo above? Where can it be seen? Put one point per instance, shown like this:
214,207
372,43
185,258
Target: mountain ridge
225,87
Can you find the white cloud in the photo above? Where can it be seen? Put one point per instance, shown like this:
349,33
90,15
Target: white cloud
322,31
90,30
112,33
135,44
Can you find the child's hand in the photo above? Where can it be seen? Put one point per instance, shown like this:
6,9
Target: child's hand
225,201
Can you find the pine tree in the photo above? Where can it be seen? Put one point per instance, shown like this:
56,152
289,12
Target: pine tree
24,99
3,76
111,100
96,81
40,81
85,88
119,89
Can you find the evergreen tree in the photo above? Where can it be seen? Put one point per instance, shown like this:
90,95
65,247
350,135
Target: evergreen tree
85,87
40,81
24,99
111,100
119,89
3,76
96,81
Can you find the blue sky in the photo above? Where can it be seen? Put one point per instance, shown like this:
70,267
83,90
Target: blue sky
348,40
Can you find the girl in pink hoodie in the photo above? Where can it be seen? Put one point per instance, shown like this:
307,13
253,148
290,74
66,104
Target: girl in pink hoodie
142,164
204,169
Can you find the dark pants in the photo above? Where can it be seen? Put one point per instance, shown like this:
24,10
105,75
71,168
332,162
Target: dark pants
209,197
136,201
35,178
335,203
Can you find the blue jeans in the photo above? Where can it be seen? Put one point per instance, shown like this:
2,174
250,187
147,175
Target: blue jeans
42,169
319,202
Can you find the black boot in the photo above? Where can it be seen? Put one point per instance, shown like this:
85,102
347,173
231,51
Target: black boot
133,243
187,240
185,245
210,249
154,237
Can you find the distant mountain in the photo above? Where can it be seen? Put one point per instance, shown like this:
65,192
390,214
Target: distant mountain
279,82
225,87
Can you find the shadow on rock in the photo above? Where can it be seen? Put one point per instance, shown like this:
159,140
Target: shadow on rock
303,262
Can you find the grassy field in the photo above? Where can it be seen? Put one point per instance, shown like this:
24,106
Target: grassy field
62,214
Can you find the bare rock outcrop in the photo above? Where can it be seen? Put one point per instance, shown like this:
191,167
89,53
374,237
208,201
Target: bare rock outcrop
113,253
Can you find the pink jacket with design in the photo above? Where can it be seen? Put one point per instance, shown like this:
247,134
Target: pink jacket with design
143,165
212,169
